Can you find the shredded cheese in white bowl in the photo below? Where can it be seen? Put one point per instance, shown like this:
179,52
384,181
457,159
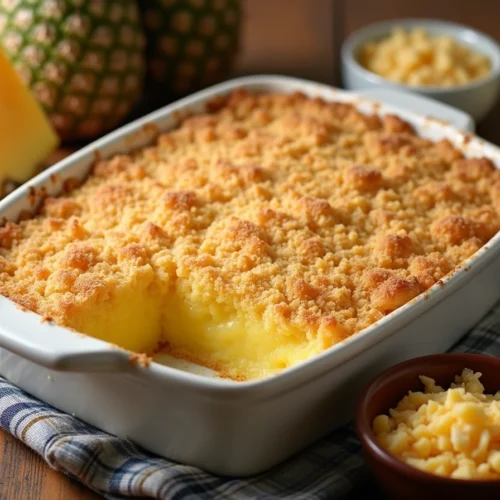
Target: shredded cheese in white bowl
416,58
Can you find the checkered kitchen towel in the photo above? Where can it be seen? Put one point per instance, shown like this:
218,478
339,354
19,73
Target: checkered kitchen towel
330,469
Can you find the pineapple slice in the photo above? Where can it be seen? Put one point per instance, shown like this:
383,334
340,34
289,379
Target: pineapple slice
26,137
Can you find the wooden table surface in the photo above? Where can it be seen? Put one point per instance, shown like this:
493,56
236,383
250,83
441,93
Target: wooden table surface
23,475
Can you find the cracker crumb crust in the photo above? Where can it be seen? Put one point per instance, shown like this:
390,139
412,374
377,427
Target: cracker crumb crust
296,211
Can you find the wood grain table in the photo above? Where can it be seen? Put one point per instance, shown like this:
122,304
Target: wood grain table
23,475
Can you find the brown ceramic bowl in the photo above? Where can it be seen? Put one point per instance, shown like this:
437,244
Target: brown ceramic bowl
399,480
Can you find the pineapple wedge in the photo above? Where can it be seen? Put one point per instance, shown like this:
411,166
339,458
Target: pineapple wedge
26,136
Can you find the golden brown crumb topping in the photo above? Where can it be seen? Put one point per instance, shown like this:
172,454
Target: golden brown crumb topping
294,210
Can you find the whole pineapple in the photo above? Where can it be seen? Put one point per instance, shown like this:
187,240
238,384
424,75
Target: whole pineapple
190,43
82,59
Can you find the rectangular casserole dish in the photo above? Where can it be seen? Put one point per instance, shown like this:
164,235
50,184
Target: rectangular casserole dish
185,412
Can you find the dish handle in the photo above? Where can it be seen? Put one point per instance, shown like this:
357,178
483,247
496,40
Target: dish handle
26,334
422,106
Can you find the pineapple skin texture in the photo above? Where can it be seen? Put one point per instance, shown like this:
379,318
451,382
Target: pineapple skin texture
190,43
83,60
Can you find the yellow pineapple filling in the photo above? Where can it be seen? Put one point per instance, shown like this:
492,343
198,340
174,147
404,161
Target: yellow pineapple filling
225,340
254,236
232,342
132,319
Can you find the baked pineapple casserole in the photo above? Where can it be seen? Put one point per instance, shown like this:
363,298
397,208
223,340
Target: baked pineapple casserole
254,236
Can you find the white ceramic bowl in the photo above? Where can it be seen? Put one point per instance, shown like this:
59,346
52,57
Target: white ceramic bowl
476,98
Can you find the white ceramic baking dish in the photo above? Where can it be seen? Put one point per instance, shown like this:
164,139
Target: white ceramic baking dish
185,412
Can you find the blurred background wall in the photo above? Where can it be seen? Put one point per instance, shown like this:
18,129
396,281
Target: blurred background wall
294,37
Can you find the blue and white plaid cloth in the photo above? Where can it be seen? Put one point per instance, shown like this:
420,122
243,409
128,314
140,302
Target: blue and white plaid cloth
330,469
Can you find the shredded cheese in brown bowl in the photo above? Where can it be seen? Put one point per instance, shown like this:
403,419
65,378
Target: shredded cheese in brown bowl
430,427
453,433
